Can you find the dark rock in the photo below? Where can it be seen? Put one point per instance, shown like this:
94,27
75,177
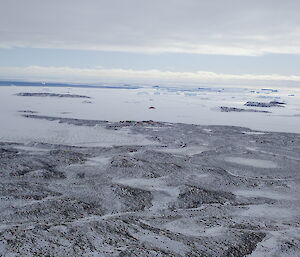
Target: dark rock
262,104
52,95
233,109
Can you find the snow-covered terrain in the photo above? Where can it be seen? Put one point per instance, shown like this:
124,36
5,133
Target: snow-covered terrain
193,106
100,176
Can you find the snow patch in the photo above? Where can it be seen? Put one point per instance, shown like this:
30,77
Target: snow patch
258,163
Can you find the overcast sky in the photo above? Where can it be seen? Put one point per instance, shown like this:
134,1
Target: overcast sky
233,37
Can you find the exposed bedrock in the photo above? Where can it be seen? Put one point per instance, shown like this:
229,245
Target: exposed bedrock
194,191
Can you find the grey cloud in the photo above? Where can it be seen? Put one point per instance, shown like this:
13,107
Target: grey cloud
245,27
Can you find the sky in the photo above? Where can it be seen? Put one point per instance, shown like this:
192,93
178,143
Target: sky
157,41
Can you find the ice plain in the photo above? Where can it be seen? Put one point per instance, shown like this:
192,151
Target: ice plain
111,177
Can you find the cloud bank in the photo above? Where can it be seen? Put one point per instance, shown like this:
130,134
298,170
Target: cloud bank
231,27
153,77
